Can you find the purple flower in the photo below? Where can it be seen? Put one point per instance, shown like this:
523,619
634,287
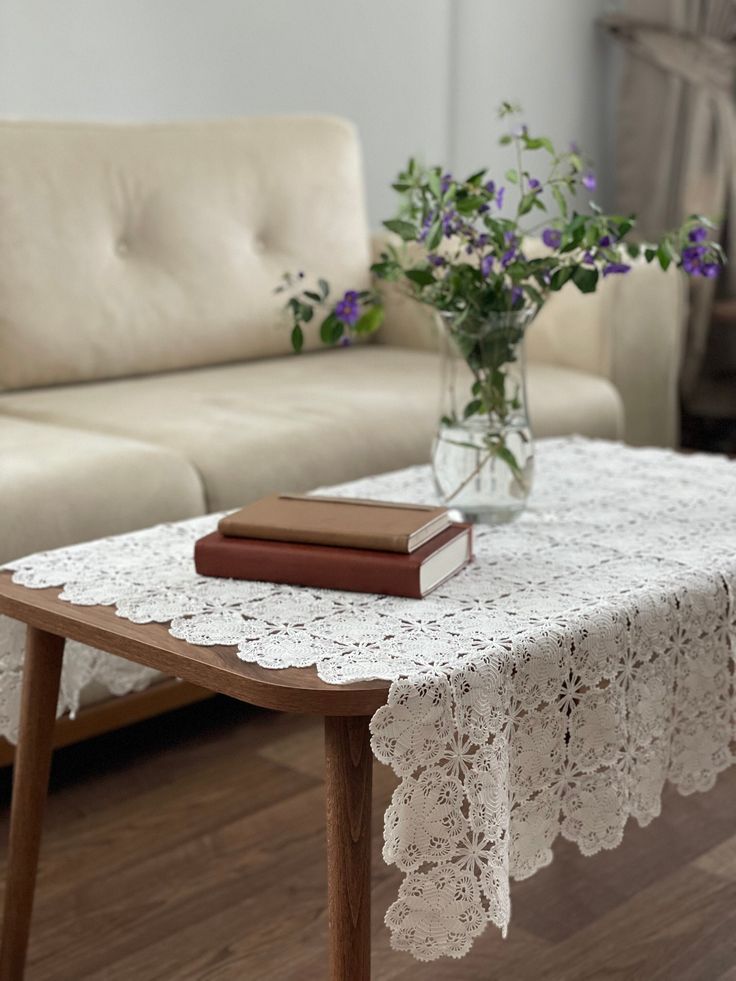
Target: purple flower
516,294
449,225
508,257
484,209
552,238
436,260
612,268
426,225
482,240
469,249
589,258
345,341
445,182
534,184
692,259
499,197
698,234
589,181
604,241
490,187
348,309
698,260
486,265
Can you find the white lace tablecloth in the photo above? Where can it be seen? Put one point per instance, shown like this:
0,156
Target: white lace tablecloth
585,658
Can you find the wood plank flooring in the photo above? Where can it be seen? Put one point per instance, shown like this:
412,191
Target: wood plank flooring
190,848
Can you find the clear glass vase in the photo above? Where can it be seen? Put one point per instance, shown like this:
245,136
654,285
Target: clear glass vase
483,453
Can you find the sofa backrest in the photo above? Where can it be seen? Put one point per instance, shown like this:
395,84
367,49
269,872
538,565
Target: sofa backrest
130,249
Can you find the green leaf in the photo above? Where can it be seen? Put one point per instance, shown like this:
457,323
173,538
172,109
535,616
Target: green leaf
404,229
305,312
633,249
512,175
314,297
534,294
433,182
527,203
559,200
385,270
297,338
586,280
649,254
370,321
560,277
469,204
422,277
400,187
505,140
664,255
324,288
537,142
331,330
472,408
435,235
505,454
477,178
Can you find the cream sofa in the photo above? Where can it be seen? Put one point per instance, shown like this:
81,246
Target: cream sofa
145,369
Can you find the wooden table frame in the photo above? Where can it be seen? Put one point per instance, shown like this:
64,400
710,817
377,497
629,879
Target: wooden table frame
347,710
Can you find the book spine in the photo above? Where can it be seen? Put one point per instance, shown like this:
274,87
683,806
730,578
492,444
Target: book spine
297,566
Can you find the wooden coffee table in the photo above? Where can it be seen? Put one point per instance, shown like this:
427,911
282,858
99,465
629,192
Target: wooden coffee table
346,709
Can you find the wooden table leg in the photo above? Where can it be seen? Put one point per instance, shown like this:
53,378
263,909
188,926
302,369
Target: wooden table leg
349,772
41,676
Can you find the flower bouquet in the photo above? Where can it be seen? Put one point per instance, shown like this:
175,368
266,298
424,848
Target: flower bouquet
487,267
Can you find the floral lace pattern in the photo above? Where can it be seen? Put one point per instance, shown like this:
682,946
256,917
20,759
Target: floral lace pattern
82,665
586,657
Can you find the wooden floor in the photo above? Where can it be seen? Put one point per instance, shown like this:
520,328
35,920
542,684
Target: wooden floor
191,847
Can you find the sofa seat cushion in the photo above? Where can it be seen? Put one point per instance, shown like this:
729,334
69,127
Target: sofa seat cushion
60,485
294,423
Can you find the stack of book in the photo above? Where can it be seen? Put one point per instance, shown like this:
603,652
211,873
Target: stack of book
337,543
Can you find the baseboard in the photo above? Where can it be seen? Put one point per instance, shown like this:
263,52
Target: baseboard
117,712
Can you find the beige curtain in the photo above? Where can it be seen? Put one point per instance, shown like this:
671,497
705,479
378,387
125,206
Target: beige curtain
676,134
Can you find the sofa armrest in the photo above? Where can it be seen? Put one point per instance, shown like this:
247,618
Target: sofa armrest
630,331
407,322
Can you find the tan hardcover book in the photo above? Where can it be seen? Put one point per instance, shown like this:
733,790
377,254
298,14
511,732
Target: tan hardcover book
339,521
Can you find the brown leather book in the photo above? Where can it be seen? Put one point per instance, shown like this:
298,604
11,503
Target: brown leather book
333,567
340,521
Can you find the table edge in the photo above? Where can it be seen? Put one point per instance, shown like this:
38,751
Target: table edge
297,690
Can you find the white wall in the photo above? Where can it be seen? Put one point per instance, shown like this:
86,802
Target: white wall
550,57
418,76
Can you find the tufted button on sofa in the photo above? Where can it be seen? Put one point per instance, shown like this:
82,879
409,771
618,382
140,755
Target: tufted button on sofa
145,367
